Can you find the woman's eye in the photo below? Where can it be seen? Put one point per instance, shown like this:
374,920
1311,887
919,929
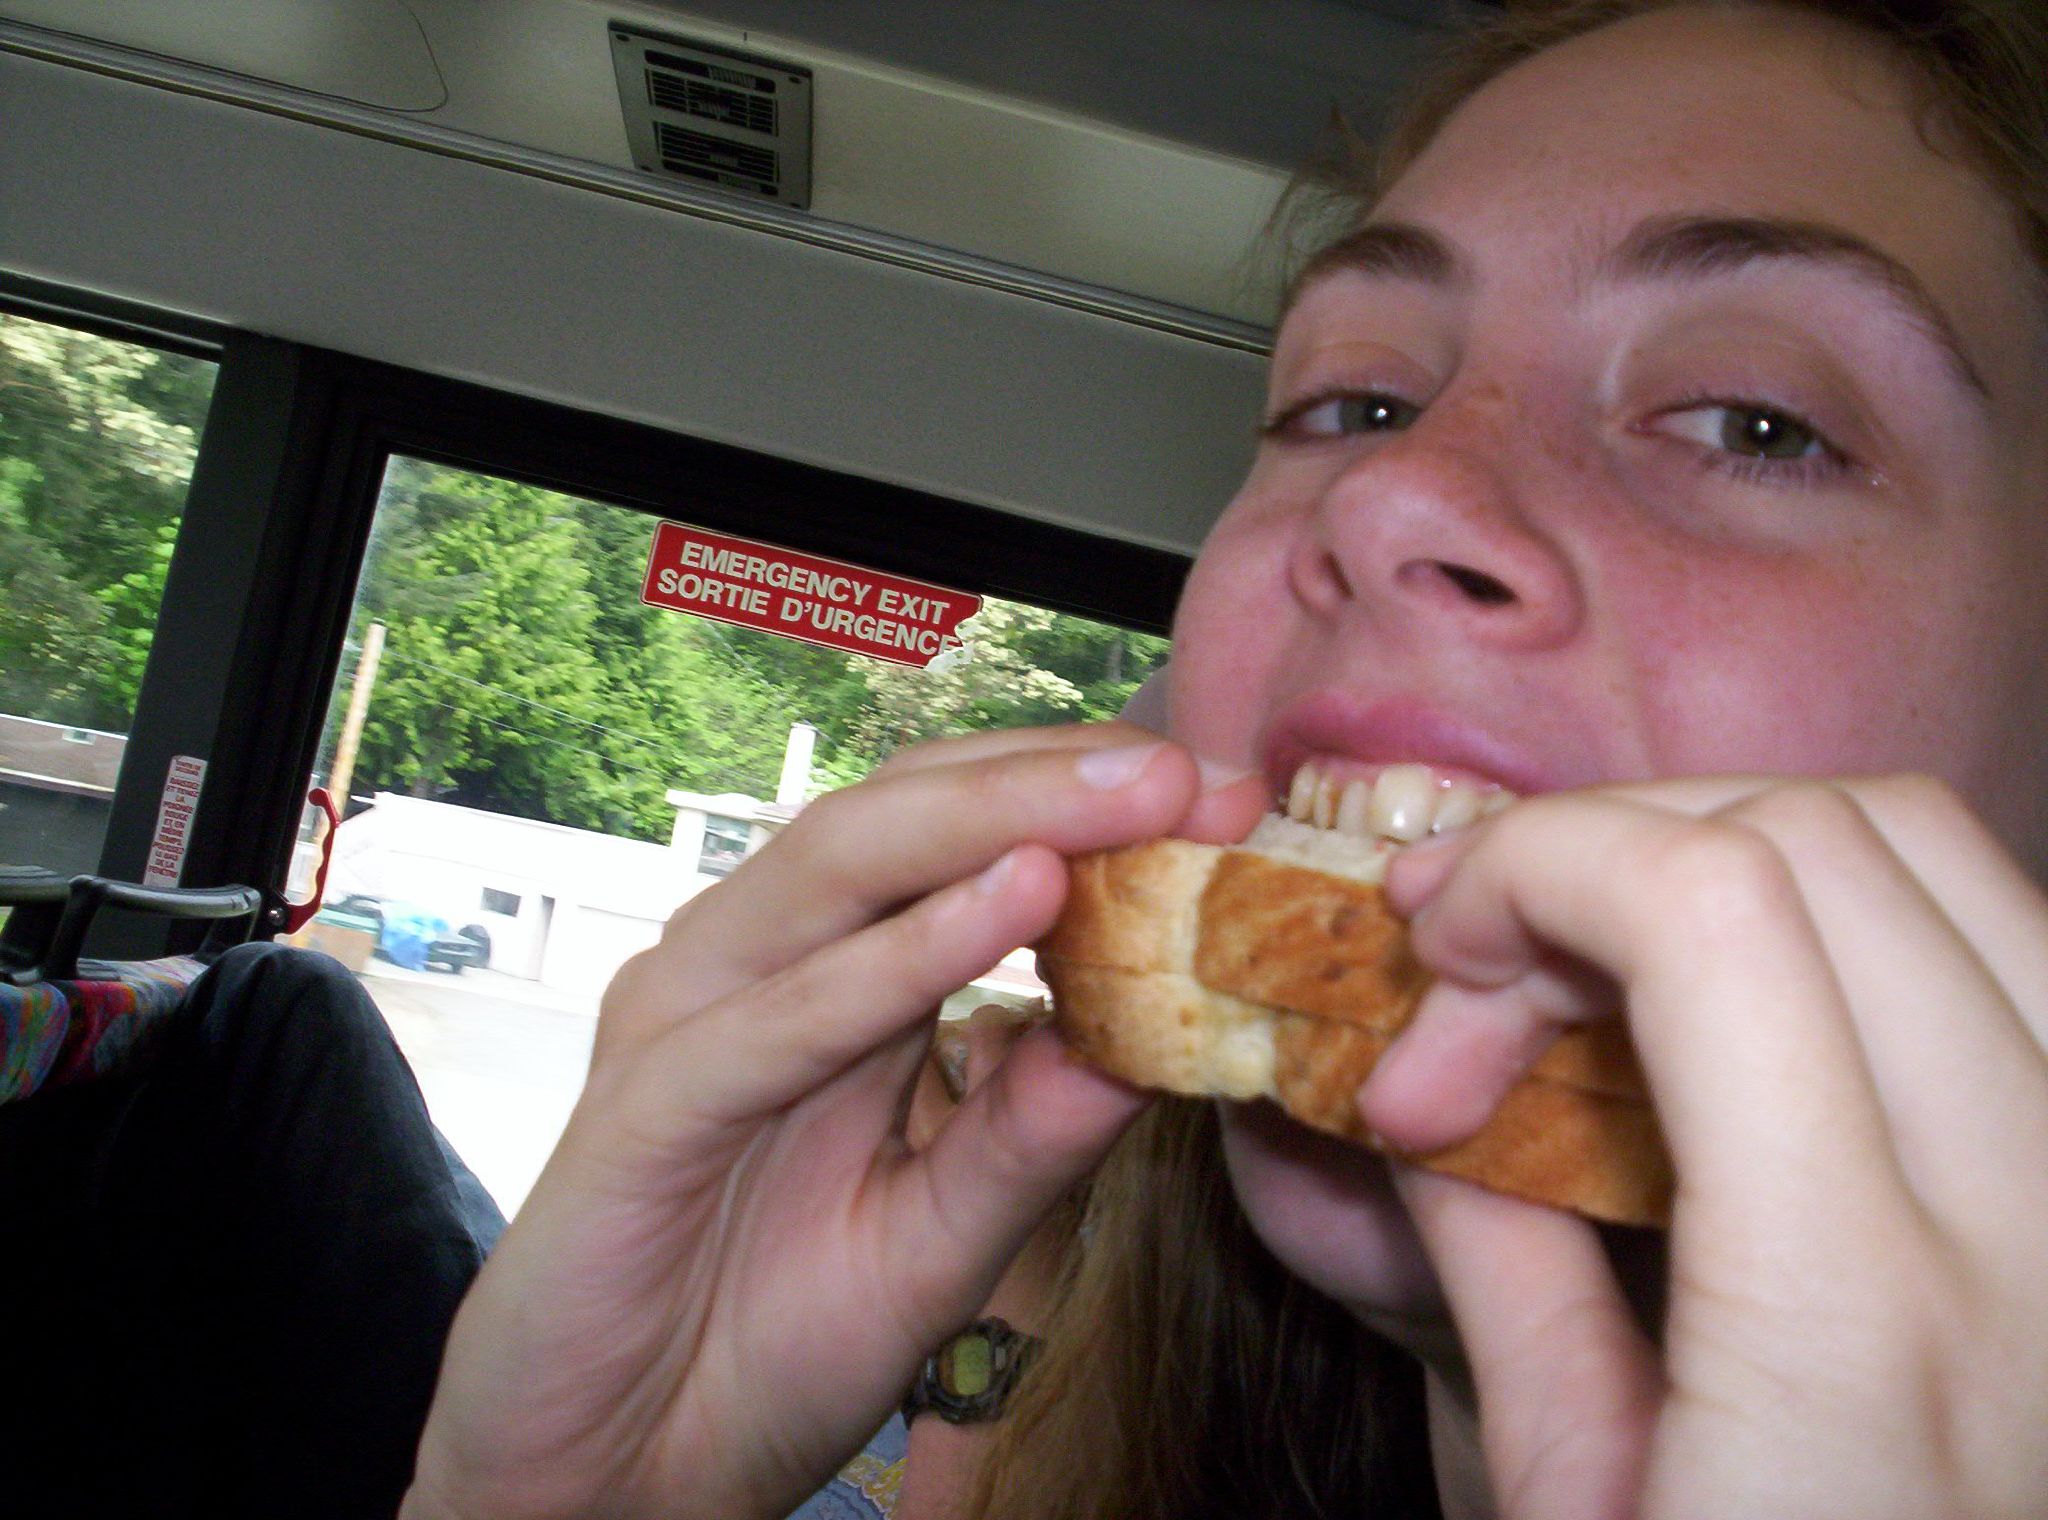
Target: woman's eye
1340,416
1753,432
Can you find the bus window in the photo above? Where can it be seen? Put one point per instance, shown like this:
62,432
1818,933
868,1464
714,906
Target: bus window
97,442
538,767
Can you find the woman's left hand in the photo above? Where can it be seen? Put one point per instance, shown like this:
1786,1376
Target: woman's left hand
1839,992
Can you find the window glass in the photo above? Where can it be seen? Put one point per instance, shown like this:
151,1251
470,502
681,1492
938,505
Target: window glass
97,442
540,768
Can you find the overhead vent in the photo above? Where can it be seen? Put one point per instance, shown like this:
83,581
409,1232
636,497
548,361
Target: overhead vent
733,120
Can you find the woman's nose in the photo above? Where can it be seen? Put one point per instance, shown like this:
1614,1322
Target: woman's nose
1438,523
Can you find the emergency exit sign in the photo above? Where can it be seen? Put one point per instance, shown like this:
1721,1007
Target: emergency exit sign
803,596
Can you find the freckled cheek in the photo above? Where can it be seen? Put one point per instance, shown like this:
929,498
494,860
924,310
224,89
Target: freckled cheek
1227,637
1797,677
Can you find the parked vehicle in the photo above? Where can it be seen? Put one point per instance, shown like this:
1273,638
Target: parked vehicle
418,939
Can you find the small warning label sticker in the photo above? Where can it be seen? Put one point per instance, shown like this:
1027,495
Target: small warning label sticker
174,814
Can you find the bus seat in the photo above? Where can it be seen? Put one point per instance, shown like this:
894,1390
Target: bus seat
64,1019
53,1032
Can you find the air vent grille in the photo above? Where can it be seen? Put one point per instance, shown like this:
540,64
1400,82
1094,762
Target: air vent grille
733,120
706,157
693,97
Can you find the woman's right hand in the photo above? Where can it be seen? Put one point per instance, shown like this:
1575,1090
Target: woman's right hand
730,1269
1839,991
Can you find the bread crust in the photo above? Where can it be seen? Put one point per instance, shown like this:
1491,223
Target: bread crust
1202,970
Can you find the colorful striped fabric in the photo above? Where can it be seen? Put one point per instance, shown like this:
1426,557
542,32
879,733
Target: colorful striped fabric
57,1032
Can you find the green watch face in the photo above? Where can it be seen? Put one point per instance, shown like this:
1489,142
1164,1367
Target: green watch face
967,1365
969,1378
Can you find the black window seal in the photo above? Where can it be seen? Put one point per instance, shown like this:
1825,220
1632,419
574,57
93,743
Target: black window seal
290,469
370,412
111,317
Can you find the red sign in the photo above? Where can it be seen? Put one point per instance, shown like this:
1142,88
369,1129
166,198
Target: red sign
803,596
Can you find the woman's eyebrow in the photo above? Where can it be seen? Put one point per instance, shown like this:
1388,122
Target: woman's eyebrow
1680,247
1387,251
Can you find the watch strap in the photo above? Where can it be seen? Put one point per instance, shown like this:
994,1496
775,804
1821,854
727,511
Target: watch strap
969,1378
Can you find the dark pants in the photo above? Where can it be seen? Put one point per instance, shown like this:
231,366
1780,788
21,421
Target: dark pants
225,1281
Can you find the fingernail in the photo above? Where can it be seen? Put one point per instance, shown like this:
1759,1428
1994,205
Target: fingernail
1418,869
1216,775
997,876
1108,769
1427,848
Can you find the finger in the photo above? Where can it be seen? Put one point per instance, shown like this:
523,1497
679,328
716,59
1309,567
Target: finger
1232,796
963,1207
990,1032
1996,906
1992,901
853,856
1568,1385
750,1054
1938,939
993,743
931,1095
1450,1069
1960,1074
1743,1030
952,1055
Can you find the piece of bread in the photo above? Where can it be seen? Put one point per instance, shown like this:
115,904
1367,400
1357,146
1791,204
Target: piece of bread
1226,972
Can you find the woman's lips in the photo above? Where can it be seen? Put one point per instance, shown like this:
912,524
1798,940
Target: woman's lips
1350,740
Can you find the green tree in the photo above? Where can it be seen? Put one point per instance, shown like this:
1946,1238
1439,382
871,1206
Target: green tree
97,442
488,689
524,674
997,684
52,635
1103,662
131,605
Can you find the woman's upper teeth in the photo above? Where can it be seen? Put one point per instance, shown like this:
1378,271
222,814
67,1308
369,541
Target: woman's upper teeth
1399,802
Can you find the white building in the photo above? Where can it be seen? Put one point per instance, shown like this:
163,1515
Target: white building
565,907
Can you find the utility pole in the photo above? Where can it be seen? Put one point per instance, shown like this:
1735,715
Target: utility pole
358,709
796,764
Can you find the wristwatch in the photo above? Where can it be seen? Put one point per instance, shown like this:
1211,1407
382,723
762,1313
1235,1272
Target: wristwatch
969,1378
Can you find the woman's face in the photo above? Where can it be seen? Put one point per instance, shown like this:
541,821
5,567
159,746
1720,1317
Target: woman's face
1679,410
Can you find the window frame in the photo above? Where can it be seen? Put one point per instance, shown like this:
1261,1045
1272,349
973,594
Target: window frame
278,519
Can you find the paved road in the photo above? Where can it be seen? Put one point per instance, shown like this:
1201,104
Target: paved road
500,1060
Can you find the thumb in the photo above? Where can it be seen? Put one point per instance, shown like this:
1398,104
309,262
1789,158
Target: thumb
961,1208
1568,1385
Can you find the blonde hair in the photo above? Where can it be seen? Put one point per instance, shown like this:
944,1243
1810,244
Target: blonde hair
1188,1374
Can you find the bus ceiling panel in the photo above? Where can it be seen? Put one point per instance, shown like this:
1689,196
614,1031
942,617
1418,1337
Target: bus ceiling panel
937,160
951,161
371,52
554,291
1253,81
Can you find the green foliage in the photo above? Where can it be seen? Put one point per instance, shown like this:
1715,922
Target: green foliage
521,673
131,605
97,441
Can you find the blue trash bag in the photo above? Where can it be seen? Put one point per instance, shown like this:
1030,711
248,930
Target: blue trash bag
408,933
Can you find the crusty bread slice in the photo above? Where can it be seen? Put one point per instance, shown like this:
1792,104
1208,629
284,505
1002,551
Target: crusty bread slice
1225,972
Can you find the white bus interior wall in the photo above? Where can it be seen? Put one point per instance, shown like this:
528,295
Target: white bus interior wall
1027,277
